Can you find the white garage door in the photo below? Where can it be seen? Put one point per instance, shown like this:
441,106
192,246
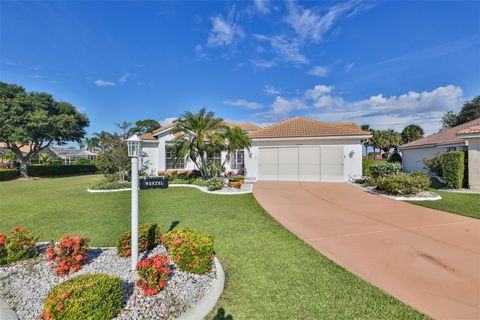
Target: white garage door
315,163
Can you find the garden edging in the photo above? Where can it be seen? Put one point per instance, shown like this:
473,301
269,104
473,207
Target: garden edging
204,189
401,198
206,304
109,190
6,313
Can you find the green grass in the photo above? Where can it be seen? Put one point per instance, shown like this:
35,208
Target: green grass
271,274
464,204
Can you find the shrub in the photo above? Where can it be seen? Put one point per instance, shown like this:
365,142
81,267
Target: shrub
83,161
153,273
88,296
3,249
40,170
215,184
395,157
68,255
366,164
384,168
434,164
8,174
403,183
20,244
148,237
235,178
105,184
453,169
191,250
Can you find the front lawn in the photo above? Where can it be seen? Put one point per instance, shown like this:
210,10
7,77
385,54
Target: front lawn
460,203
271,274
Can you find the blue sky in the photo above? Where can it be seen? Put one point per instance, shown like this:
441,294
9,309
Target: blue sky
388,64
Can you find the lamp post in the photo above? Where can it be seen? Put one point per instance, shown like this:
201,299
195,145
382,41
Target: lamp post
133,144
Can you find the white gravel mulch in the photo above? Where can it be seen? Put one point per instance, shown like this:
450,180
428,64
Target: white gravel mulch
25,285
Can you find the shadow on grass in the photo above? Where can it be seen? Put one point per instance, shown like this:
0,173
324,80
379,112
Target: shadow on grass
221,315
173,225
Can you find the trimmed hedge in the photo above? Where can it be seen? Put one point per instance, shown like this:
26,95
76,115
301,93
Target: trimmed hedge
403,183
384,168
453,168
8,174
395,157
366,164
88,296
40,170
148,237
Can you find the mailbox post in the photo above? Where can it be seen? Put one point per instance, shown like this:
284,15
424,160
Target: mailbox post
133,144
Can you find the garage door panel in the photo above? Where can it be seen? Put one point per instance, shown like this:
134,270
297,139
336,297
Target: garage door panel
268,164
331,163
288,164
309,164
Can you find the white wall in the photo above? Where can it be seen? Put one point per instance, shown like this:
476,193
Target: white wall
149,162
412,158
352,154
474,163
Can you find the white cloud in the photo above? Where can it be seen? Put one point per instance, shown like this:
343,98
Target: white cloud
311,23
319,71
349,66
285,50
282,107
167,121
271,90
264,64
124,77
318,90
103,83
243,103
224,32
261,6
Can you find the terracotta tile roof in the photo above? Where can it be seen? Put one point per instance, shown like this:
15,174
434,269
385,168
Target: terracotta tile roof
302,127
448,136
245,126
471,130
24,149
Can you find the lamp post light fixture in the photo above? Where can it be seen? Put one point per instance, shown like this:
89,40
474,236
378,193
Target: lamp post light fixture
134,143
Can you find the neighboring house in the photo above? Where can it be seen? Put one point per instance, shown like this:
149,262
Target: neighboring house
296,149
413,153
67,155
472,137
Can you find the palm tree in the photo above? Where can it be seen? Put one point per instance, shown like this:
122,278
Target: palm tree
235,139
45,158
199,132
367,143
92,144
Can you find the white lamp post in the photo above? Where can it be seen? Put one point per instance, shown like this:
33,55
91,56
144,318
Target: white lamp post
133,144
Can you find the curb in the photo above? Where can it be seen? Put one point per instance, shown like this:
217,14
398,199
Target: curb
206,304
7,313
204,189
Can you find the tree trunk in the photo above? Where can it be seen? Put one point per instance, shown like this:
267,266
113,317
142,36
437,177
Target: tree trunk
24,168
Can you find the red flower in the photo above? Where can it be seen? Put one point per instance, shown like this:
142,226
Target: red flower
18,229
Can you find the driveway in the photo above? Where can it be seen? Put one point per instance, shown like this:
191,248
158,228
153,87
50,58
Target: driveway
428,259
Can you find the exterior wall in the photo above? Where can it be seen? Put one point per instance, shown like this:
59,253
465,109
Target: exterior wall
412,159
149,162
474,163
352,154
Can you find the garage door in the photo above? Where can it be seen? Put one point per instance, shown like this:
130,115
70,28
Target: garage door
309,163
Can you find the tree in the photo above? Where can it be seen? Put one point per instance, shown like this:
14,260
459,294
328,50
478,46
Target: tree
45,158
145,126
235,139
470,111
412,132
92,144
387,139
199,132
36,120
367,143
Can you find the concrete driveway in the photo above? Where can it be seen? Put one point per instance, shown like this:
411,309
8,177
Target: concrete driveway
428,259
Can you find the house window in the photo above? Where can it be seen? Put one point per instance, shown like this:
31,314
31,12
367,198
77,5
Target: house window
171,161
216,158
238,159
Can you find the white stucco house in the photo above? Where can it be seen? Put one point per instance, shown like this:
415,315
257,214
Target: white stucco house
460,138
297,149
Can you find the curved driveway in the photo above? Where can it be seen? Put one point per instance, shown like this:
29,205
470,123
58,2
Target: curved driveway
427,258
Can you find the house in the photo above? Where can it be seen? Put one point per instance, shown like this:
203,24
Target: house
297,149
471,136
66,155
413,153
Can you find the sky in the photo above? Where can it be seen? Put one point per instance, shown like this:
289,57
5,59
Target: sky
383,63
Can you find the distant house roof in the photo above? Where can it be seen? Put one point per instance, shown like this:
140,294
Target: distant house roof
24,149
471,130
445,137
245,126
70,152
302,127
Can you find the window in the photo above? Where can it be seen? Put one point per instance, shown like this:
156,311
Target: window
238,159
170,160
216,158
